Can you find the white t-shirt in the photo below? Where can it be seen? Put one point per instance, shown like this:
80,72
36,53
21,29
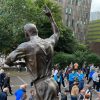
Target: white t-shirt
95,77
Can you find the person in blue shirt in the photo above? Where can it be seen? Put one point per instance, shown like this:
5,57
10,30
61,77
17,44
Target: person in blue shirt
90,75
71,78
21,93
81,79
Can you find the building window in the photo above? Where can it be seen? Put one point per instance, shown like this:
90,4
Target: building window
73,2
69,11
70,2
77,2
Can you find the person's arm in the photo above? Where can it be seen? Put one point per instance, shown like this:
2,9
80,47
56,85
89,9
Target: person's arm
15,55
55,29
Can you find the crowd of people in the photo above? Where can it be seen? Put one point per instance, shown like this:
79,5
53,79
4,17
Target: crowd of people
73,82
81,81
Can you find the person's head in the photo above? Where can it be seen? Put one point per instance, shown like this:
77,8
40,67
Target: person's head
76,66
30,30
79,71
24,86
7,74
97,70
32,92
76,83
87,96
1,71
82,91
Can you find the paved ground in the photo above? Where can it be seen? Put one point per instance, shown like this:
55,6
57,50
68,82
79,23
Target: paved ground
18,78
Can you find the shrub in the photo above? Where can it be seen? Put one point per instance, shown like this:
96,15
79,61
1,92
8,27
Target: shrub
63,59
93,58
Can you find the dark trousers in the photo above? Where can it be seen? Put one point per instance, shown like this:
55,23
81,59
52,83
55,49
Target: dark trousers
1,85
59,85
97,86
87,75
81,84
73,97
70,85
1,88
94,84
63,83
90,79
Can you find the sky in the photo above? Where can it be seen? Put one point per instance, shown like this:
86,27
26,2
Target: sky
95,5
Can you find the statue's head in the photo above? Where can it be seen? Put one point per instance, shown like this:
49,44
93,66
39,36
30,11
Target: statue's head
30,30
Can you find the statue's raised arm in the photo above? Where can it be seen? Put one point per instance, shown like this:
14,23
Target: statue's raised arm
54,38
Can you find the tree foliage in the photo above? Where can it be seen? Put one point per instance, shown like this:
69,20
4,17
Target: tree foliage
14,14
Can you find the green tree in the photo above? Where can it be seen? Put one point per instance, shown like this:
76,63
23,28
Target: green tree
14,14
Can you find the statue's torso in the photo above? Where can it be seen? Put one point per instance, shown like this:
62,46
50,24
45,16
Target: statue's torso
39,58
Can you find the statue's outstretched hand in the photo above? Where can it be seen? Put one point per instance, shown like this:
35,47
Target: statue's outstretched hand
47,11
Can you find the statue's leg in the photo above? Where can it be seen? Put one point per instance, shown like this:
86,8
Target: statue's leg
47,90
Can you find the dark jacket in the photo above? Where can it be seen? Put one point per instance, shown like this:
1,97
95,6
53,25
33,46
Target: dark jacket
2,76
7,81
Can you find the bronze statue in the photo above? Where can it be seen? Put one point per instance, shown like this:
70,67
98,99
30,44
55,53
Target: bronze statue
37,54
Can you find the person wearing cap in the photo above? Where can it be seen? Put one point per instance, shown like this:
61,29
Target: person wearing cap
21,93
3,95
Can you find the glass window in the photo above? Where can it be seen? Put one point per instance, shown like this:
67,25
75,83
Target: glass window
77,2
68,10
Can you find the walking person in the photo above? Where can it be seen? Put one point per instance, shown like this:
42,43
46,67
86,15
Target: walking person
7,83
87,72
81,79
95,77
90,75
71,80
62,78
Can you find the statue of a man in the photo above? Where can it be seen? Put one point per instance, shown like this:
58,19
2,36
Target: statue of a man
37,54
